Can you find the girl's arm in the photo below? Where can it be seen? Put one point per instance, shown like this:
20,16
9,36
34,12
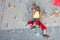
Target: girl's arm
42,15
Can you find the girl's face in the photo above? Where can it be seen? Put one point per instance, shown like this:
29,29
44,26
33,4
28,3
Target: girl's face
37,8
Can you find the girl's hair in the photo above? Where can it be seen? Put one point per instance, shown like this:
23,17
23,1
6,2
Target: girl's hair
37,8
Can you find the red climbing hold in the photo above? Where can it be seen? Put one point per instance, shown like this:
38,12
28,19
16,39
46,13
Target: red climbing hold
56,2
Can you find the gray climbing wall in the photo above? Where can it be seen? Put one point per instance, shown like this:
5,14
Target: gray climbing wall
0,12
14,14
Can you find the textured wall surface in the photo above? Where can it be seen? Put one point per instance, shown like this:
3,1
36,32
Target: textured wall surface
14,14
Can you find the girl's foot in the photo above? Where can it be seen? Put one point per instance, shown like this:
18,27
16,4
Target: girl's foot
33,27
46,35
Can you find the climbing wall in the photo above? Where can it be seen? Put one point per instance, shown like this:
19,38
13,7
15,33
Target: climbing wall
1,12
14,14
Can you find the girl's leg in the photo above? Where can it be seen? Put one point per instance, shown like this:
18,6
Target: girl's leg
43,29
35,22
30,23
42,26
34,25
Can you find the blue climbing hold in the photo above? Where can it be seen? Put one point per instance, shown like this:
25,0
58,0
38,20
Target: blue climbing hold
54,21
27,8
29,12
51,14
24,20
26,25
56,8
43,10
20,1
20,30
8,31
45,23
14,1
37,33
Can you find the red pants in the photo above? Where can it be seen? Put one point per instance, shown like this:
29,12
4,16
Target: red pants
38,22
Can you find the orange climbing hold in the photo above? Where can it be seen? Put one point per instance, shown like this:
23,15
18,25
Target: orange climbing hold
2,1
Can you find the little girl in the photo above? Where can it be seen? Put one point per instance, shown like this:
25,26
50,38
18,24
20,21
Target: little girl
36,16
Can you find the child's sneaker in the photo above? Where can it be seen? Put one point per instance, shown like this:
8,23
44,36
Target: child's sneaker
33,27
46,35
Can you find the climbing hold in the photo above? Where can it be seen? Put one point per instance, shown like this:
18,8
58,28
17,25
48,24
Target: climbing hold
56,2
51,1
14,6
10,6
37,33
29,12
26,25
27,8
14,17
24,20
20,1
12,30
51,14
14,1
8,31
56,14
56,8
45,23
54,21
43,11
6,24
1,4
2,1
19,30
